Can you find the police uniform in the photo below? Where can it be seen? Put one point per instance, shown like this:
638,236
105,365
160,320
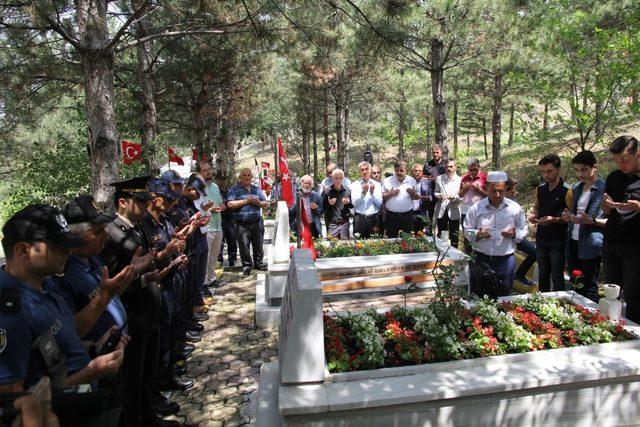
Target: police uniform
142,302
37,330
172,331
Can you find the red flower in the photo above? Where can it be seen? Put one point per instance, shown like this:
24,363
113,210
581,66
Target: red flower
408,279
576,273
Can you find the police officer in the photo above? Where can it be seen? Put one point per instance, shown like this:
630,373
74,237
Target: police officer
169,249
143,403
38,332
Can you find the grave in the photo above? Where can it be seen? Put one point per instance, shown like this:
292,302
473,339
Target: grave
590,385
348,274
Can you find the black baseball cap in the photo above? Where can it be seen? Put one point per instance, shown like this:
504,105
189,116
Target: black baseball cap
40,223
85,209
135,187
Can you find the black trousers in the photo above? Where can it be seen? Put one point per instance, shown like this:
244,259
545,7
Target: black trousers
452,226
138,374
418,223
397,221
590,271
622,267
431,207
229,237
250,235
365,225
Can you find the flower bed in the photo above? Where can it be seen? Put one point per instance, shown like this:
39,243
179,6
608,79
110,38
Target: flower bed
404,244
445,331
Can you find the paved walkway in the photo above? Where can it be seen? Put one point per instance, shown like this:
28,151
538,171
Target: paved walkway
226,363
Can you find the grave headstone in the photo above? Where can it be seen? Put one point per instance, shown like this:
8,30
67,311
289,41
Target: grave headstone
281,243
300,331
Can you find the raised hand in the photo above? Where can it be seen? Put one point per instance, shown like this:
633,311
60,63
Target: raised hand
140,262
117,284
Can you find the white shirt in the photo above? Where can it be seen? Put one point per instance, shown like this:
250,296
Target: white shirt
583,202
448,187
483,214
367,203
402,202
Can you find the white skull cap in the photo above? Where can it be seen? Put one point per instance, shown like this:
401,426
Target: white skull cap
497,176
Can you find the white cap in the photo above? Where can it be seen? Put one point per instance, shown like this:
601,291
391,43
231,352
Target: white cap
497,176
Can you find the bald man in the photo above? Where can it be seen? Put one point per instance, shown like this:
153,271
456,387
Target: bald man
246,201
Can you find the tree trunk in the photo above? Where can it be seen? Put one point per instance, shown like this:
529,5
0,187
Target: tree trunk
314,140
455,128
340,133
634,98
496,122
345,141
97,69
147,97
437,93
200,131
545,119
226,151
325,128
512,111
401,130
468,144
484,135
305,145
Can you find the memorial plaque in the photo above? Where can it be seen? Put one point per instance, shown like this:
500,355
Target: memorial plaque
380,270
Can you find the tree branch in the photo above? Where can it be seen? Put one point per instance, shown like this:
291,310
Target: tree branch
135,15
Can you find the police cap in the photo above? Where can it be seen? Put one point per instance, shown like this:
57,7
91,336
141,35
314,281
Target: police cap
85,209
162,187
40,223
135,187
172,176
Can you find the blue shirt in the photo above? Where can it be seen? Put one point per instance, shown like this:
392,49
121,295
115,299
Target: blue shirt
40,312
247,213
79,285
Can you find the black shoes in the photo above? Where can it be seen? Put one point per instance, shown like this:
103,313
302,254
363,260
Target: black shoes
176,383
159,422
166,407
218,283
261,267
246,271
194,326
189,347
191,337
200,317
179,370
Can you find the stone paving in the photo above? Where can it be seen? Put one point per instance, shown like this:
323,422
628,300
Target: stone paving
226,363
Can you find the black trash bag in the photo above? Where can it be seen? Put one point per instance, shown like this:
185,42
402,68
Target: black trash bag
485,281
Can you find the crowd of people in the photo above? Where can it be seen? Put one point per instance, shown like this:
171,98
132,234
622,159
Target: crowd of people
105,309
577,228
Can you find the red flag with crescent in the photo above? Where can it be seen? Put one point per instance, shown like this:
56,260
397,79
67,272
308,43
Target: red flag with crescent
173,157
287,188
305,235
131,152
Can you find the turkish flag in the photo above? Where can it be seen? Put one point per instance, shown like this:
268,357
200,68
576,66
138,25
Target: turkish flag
194,154
305,234
173,157
287,188
131,152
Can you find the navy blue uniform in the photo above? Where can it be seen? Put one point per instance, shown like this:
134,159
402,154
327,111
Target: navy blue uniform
39,313
79,285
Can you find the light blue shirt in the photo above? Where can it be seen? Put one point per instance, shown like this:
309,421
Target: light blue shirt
367,203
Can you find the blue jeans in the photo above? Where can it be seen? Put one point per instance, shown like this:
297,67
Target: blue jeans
550,258
529,249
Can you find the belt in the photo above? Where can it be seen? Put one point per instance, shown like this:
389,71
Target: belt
494,257
399,213
367,216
